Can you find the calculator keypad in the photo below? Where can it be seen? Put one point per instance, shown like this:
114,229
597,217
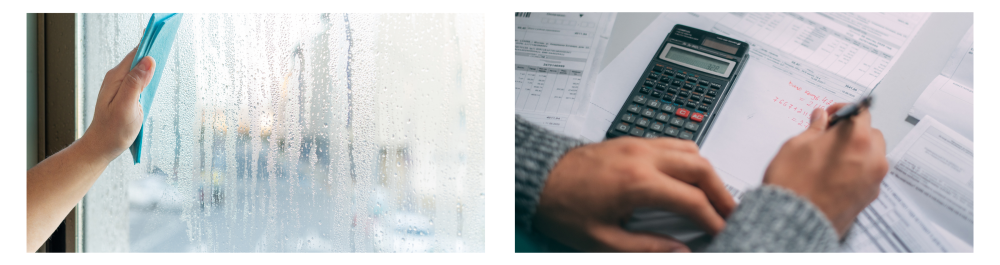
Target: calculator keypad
671,102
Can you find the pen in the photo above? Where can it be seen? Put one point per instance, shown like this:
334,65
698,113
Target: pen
850,110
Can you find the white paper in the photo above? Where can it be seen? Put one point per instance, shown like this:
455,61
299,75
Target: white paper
949,97
556,55
926,200
959,65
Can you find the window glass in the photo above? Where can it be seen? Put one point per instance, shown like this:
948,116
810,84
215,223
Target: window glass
298,133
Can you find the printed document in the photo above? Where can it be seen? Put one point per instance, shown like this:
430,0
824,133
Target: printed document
949,97
925,204
556,55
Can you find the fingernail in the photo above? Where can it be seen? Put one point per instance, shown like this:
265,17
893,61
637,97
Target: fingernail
144,64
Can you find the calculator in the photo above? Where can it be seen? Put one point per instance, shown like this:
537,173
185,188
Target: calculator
683,88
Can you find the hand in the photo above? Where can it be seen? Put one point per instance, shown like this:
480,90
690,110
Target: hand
594,188
838,170
118,114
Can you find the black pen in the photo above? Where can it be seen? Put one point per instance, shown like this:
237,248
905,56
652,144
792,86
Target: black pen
849,110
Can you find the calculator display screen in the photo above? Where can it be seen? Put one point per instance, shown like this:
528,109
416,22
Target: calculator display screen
708,64
719,46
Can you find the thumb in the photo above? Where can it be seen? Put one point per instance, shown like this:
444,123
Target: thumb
818,120
136,80
617,239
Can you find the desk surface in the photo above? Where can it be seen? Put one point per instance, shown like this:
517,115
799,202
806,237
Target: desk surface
916,67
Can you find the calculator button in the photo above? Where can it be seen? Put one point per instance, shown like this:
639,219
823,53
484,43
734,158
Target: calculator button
703,107
641,99
661,86
656,126
696,97
664,117
668,73
658,68
677,121
691,78
700,89
634,108
692,104
671,131
645,122
713,92
656,94
628,117
698,117
654,76
669,108
714,86
679,73
680,99
644,90
686,135
651,135
703,82
676,82
689,86
664,79
691,125
672,90
655,104
636,131
707,100
622,127
683,113
649,83
668,97
649,112
685,94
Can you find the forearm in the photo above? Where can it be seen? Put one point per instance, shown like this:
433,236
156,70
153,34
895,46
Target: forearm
773,219
56,184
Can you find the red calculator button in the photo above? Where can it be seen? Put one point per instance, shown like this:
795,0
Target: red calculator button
683,113
697,117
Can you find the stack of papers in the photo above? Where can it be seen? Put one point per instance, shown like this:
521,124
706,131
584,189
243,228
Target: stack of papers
156,42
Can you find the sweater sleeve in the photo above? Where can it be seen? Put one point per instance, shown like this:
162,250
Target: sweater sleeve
536,151
773,219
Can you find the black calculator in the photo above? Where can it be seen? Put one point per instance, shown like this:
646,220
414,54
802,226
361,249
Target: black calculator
683,88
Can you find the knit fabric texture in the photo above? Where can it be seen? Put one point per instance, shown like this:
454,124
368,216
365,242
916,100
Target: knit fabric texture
773,219
536,151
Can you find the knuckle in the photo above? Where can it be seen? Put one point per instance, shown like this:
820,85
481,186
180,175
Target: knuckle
131,79
633,147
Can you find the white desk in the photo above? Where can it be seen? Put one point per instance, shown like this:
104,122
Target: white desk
916,67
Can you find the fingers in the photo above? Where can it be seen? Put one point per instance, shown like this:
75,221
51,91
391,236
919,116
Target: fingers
878,154
834,108
818,120
675,196
696,170
666,143
124,66
136,80
617,239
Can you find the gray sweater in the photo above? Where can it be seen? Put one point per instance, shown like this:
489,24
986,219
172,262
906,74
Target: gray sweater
769,218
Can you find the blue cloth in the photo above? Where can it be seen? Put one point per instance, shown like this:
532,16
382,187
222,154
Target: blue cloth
156,42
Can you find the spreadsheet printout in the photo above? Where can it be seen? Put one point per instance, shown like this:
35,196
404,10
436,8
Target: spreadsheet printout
555,58
949,97
926,199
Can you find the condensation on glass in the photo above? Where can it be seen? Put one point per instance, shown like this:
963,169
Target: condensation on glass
298,133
